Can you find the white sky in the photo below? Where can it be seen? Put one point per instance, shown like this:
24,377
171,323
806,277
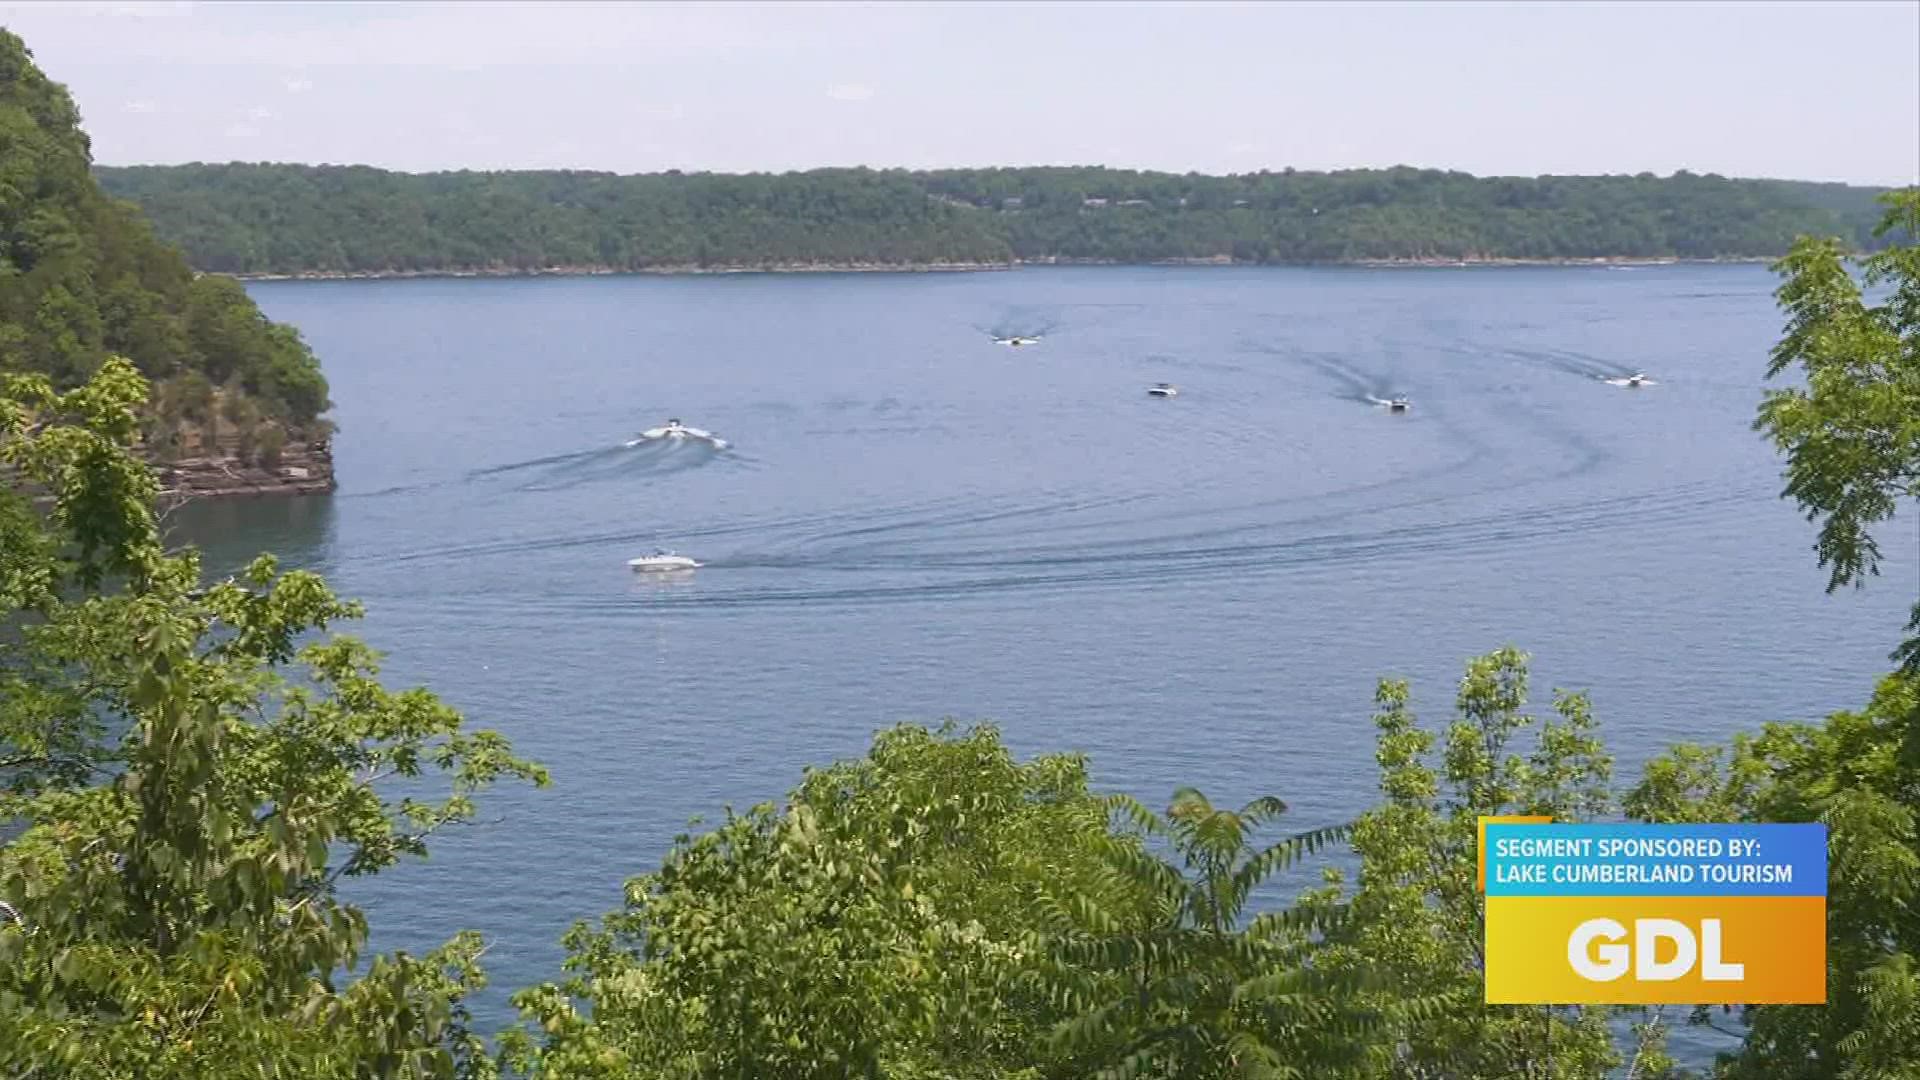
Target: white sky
1825,91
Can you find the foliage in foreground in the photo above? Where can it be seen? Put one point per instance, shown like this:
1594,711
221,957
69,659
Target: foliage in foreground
1860,774
187,772
1851,434
1417,914
876,925
938,909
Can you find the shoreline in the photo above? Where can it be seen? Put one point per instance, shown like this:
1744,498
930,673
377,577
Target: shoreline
222,473
615,271
1598,260
688,270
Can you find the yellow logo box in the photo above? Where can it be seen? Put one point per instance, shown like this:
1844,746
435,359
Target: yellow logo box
1647,950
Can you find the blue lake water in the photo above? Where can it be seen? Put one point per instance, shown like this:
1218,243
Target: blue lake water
916,523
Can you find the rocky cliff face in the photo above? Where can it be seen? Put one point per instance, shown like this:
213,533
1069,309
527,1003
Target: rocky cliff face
296,470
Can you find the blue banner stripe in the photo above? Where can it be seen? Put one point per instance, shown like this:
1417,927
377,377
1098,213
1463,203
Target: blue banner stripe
1656,860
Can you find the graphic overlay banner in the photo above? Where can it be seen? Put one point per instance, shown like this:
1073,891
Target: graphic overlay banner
1655,914
1511,819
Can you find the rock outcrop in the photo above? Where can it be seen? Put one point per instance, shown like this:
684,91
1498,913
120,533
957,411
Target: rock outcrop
296,470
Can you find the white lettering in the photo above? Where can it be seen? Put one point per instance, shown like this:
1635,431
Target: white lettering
1646,939
1712,968
1613,958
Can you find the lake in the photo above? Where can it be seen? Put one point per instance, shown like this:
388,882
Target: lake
914,523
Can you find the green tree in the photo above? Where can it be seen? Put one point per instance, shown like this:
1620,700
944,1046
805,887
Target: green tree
881,924
1191,987
191,770
1859,772
1416,920
1851,435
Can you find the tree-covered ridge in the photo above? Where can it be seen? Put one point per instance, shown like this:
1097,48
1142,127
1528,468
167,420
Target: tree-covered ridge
293,218
82,278
270,218
1403,213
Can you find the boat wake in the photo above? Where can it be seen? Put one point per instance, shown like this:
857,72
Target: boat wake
1020,326
1571,363
1352,384
892,573
550,461
1024,325
827,523
639,457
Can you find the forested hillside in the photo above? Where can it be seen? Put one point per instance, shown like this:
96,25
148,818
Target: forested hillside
289,218
82,278
265,218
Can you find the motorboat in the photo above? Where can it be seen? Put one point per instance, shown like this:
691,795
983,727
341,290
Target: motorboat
1398,404
674,429
1016,342
1633,382
662,562
1163,390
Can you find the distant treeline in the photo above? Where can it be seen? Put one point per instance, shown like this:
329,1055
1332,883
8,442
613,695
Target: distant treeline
266,218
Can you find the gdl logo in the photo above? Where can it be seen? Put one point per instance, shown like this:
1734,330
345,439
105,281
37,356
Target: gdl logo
1612,960
1655,914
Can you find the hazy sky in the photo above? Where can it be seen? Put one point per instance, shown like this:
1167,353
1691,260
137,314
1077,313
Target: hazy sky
1820,91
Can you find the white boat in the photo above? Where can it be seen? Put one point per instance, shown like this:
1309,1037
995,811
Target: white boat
1398,404
1016,342
662,561
1163,390
1633,382
674,429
